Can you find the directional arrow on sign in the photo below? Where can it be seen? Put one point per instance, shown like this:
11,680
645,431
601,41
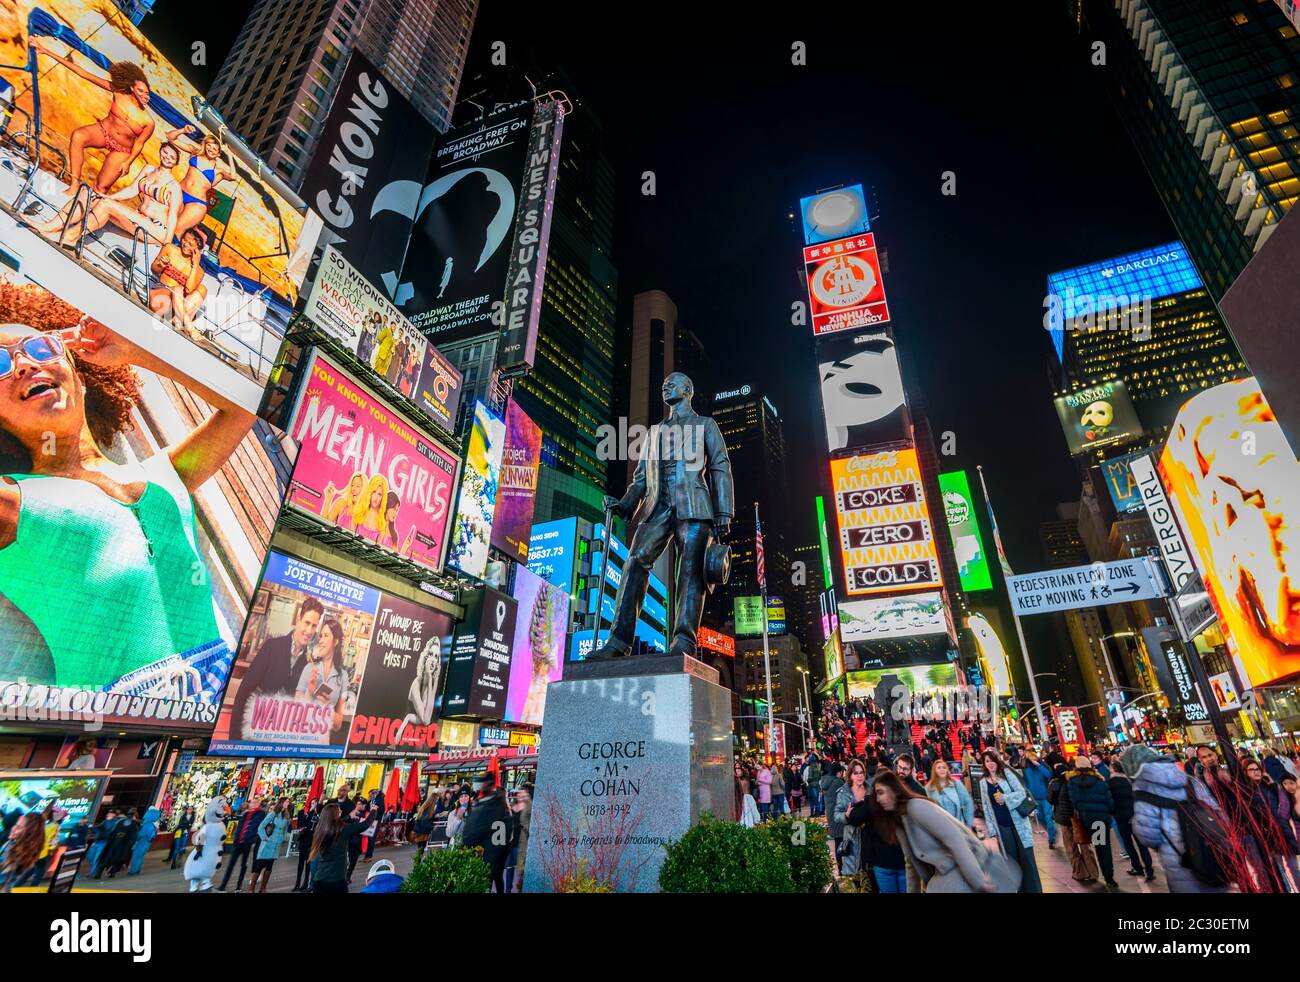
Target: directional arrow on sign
1095,585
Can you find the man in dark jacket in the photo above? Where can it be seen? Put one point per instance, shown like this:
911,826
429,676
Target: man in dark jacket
1121,794
278,663
1091,800
245,841
489,826
830,784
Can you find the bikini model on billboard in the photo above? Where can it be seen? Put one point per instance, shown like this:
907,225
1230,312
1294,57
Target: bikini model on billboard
104,584
207,169
151,202
122,132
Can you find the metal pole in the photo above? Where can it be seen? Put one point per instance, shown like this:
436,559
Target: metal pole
807,698
767,654
1029,670
600,582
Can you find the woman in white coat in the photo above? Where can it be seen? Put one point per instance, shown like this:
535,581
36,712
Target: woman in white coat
207,842
942,854
1001,792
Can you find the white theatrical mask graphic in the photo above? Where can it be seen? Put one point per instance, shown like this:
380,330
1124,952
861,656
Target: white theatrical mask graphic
864,387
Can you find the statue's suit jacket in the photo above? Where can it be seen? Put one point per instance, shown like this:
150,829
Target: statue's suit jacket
692,497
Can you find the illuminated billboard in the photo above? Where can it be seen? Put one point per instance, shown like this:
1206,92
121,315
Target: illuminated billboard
137,507
863,401
354,312
1097,287
1235,484
372,126
886,538
512,519
964,530
552,551
1125,492
918,678
845,288
109,101
748,614
472,532
833,657
885,618
711,640
992,653
541,632
364,467
1097,416
456,264
834,214
300,664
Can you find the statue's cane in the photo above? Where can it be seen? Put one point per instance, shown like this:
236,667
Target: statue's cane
600,581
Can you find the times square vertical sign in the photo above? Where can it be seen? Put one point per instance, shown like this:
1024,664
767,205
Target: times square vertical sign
523,301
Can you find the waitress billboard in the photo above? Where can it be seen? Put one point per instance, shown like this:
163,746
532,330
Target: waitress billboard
365,468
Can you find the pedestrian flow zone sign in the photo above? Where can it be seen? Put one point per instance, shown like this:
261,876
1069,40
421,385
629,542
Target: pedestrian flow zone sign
1096,585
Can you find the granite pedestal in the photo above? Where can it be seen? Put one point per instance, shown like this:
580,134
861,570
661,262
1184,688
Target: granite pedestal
634,751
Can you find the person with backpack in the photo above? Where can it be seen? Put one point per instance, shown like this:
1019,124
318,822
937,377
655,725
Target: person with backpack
1173,813
1121,793
1037,777
1091,799
812,776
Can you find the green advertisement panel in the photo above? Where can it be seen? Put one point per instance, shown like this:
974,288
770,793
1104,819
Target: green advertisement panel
959,507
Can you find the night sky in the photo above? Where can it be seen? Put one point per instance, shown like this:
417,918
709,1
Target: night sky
735,134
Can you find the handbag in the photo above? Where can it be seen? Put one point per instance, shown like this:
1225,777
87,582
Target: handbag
1029,805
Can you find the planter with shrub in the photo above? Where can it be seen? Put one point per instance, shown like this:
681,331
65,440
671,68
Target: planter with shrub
453,870
725,857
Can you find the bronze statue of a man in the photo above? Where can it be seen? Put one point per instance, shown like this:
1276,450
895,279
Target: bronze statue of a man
682,490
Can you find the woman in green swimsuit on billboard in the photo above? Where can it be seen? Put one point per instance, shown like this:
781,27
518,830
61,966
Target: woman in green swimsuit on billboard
102,581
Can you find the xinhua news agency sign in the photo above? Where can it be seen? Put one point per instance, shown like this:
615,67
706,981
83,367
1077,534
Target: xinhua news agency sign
1122,581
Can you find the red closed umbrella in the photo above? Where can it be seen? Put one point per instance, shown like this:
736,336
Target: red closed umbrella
394,791
317,789
494,768
411,796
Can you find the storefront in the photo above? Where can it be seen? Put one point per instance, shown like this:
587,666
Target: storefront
452,768
193,780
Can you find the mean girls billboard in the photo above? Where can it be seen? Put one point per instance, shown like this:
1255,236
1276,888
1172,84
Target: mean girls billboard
366,468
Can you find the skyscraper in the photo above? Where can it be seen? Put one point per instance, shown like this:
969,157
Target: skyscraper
277,82
755,440
1184,348
661,345
569,392
1211,99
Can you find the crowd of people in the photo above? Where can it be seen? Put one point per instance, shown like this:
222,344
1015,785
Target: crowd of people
959,812
333,836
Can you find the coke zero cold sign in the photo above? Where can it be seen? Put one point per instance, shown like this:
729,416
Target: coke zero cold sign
886,539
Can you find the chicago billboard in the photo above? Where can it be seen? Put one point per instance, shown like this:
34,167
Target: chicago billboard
886,538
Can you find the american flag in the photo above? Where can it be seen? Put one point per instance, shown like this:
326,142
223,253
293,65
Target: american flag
758,550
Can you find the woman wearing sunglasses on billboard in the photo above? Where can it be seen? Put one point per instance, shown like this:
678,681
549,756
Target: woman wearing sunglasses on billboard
102,581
